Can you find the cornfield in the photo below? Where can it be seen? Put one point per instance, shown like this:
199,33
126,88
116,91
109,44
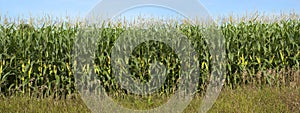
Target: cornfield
37,59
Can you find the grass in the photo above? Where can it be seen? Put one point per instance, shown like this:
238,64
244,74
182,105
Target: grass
242,99
275,100
24,104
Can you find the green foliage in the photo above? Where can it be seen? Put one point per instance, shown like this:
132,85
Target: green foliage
39,60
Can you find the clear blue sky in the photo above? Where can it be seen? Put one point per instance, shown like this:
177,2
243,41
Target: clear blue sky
14,8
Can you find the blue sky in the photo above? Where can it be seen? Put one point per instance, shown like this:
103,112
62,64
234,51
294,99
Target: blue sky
61,8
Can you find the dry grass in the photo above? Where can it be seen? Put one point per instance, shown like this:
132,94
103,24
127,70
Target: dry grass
239,100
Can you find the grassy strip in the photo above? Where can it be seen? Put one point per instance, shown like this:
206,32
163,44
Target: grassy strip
245,99
275,100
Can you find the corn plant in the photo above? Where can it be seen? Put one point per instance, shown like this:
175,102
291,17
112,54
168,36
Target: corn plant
36,58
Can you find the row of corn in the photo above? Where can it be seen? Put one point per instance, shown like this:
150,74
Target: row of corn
39,60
